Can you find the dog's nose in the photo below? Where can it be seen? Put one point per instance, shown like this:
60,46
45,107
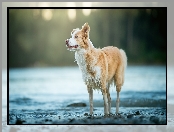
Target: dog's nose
67,41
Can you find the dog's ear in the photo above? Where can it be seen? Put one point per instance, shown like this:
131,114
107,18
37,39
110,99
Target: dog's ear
86,28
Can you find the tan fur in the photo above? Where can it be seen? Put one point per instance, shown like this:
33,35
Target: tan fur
110,61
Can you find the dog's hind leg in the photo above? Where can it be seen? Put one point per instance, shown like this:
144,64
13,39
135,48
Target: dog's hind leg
117,102
90,91
119,80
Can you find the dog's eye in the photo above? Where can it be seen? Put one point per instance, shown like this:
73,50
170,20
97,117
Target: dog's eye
76,36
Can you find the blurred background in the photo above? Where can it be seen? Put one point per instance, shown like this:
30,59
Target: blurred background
37,36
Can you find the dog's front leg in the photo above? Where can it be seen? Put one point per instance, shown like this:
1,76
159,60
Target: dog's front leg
90,91
105,101
109,100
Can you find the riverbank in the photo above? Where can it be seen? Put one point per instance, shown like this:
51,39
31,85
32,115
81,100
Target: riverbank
80,115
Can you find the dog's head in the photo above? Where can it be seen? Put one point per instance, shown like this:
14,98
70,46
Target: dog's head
79,38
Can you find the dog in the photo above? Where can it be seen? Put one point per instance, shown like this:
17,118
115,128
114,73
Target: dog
100,67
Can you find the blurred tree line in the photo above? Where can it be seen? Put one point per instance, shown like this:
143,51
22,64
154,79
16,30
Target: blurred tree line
37,36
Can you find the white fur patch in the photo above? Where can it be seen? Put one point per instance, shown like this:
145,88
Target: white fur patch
72,42
87,78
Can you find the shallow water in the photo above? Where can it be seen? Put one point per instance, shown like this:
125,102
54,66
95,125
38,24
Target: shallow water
52,88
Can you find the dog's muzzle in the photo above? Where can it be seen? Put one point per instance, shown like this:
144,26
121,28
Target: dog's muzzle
68,45
67,42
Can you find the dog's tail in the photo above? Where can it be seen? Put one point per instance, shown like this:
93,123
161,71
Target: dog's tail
124,63
124,58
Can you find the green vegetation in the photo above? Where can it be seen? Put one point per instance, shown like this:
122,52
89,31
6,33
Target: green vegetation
37,36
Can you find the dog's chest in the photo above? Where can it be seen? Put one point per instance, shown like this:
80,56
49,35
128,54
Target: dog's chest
90,71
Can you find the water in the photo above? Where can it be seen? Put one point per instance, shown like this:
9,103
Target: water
52,88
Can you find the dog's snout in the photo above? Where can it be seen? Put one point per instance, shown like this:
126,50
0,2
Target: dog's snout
67,41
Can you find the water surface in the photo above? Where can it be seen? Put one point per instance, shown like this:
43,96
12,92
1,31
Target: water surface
56,87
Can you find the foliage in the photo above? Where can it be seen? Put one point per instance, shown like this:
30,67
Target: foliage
37,38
